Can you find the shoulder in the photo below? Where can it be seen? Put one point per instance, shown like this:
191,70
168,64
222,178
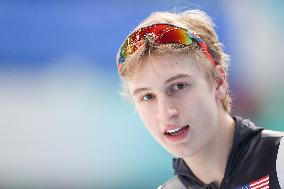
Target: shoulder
280,163
267,140
173,183
278,139
272,138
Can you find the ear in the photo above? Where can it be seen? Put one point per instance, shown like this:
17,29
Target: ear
220,82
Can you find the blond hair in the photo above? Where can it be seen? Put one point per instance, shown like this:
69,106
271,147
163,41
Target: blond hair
192,20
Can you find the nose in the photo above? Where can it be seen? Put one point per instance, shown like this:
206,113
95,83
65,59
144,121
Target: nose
166,110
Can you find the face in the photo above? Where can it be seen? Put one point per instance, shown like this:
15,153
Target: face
176,102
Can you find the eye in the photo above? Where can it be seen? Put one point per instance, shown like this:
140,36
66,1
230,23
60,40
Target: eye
147,97
179,86
176,88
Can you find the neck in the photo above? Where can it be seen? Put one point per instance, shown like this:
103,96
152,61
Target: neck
214,155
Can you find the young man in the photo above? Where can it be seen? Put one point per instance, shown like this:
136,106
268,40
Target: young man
174,70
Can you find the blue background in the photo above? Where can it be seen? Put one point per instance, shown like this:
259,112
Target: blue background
62,120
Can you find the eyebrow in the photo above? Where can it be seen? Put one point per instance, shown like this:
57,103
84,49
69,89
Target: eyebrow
139,90
178,76
171,79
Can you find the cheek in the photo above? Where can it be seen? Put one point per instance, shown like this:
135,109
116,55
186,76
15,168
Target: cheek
147,115
205,110
197,103
200,109
205,118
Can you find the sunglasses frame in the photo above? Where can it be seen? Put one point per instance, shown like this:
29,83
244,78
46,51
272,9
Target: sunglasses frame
135,40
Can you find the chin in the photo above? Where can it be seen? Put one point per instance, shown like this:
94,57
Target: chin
181,153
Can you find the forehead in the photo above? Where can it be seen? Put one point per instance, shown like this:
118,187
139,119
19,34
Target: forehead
160,68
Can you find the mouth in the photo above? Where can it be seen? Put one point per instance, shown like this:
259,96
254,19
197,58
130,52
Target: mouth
176,134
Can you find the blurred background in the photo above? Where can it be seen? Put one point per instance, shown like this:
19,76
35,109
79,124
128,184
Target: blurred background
62,121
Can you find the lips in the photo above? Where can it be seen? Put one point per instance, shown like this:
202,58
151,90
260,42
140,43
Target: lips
174,133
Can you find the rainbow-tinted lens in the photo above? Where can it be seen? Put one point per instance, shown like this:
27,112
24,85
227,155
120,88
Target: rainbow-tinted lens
163,34
174,35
